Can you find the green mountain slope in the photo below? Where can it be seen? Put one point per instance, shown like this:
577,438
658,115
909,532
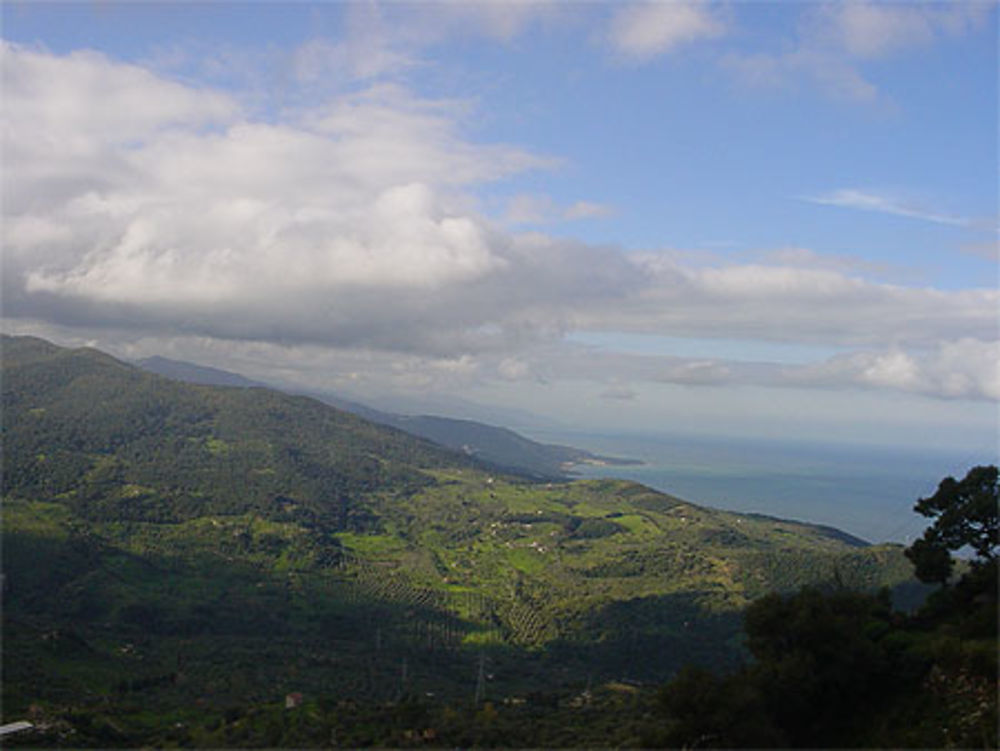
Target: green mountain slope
498,446
116,443
168,545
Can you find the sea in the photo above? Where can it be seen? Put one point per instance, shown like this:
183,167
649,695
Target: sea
868,492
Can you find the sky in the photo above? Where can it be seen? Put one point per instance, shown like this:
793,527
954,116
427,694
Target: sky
773,220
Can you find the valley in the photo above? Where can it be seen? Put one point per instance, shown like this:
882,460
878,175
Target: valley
210,547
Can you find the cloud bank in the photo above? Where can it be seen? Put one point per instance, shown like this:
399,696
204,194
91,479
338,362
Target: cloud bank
354,225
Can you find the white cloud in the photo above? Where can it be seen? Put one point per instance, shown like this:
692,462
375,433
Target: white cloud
895,369
59,142
239,249
798,257
513,369
368,50
374,42
875,29
791,304
966,368
588,210
830,71
351,224
350,229
836,41
530,209
527,208
51,102
642,31
321,59
868,201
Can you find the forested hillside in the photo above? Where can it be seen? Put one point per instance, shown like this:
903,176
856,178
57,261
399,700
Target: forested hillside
115,443
499,446
180,552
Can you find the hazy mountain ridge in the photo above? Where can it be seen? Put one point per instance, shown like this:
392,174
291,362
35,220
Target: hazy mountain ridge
500,446
190,372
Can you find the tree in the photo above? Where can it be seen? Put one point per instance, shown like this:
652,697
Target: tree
965,515
708,711
820,662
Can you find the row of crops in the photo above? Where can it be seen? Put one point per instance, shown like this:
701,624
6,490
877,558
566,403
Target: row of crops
439,618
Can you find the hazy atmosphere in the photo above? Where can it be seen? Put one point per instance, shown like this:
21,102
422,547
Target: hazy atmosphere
728,218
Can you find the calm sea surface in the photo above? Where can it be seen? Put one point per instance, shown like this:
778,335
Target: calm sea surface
868,492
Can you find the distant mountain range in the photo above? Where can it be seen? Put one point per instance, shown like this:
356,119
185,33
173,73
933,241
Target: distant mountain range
499,446
189,372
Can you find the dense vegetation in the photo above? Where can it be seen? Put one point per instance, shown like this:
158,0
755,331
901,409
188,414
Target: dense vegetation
178,559
841,669
114,443
499,446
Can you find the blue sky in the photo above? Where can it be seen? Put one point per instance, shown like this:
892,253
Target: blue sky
608,215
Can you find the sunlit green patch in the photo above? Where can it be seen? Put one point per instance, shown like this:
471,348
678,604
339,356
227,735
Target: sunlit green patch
35,518
637,524
374,545
217,446
527,560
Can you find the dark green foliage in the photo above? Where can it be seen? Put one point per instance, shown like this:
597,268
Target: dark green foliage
646,638
592,529
965,514
819,674
120,444
706,711
839,668
932,562
820,663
